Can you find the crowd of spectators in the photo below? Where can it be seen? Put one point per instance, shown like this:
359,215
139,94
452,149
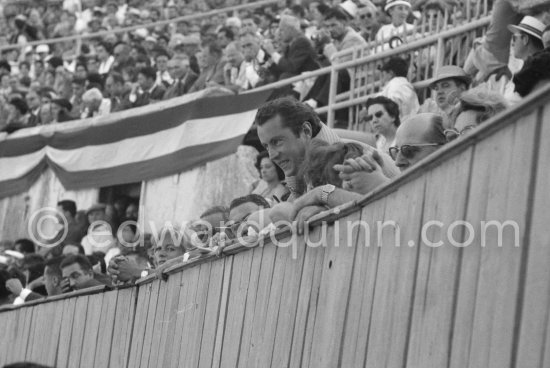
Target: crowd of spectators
305,167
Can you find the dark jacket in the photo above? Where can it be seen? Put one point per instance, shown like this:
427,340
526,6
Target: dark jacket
181,86
299,56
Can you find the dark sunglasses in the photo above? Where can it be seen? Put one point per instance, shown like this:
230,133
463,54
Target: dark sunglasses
378,115
408,150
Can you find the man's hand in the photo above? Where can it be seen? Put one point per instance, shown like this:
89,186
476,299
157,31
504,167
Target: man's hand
302,217
128,271
361,174
65,286
14,286
268,46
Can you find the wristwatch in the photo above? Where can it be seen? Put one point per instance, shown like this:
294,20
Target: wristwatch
326,190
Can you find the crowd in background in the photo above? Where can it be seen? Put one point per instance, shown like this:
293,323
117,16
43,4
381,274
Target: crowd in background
305,166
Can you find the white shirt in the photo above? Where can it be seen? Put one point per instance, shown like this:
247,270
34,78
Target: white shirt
105,66
402,92
387,31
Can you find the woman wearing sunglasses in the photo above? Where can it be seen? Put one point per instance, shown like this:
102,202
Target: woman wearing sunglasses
474,107
383,117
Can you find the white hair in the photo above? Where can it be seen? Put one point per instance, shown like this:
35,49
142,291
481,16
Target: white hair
92,94
290,21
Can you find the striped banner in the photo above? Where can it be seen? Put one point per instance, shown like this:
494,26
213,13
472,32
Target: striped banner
144,143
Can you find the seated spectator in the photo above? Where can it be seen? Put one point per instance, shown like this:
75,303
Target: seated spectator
126,236
416,138
475,106
239,211
117,92
18,112
78,88
146,91
104,57
257,60
67,215
397,88
298,56
34,103
33,269
94,104
285,128
78,273
170,244
447,86
224,37
53,276
61,108
398,10
534,75
183,77
212,71
161,64
270,185
235,68
383,116
341,36
214,219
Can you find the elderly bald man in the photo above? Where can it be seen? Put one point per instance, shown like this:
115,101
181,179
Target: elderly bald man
416,138
94,104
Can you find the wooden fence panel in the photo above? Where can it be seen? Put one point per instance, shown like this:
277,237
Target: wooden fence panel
125,318
173,287
105,335
63,350
77,335
91,342
140,322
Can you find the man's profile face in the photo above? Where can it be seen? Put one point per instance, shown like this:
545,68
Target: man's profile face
337,28
76,275
285,149
412,133
447,91
51,282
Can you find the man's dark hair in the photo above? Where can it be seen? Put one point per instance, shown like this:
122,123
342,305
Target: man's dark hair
265,154
96,79
148,72
117,77
54,266
82,65
216,209
107,46
20,105
534,70
292,112
213,48
336,12
5,65
79,81
298,10
228,32
55,61
251,198
34,263
535,41
389,105
27,245
69,206
161,52
398,66
81,259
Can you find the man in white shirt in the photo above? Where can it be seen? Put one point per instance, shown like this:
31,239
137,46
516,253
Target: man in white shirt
398,88
398,10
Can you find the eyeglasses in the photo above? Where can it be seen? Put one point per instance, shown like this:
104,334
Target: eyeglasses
408,150
452,134
377,114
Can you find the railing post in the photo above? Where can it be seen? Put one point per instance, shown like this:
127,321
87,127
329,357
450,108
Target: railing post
332,96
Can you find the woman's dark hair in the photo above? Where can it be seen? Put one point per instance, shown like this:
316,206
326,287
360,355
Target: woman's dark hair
20,105
317,167
265,154
390,106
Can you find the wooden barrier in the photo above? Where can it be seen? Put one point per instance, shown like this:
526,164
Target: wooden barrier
360,297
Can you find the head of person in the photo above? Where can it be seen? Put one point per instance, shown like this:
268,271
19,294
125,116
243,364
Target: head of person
72,249
212,220
147,77
269,172
24,246
114,84
318,167
449,83
289,28
61,106
33,99
527,37
77,269
417,137
81,71
103,50
336,22
67,208
78,86
53,276
178,66
92,98
18,106
250,25
534,75
45,113
33,266
393,68
92,64
285,128
170,243
161,60
121,52
250,45
475,106
398,10
241,208
224,37
383,116
211,54
234,55
131,211
96,213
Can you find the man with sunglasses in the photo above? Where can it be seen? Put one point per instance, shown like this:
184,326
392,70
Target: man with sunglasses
416,138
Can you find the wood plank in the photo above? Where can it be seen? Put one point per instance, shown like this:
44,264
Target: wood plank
68,306
150,323
173,286
159,324
235,311
106,326
77,335
436,278
364,277
123,328
52,346
142,307
187,312
394,288
213,305
179,320
534,331
91,343
222,311
250,305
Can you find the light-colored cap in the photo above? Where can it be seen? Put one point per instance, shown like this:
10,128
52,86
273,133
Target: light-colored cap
451,71
349,7
43,48
392,3
529,25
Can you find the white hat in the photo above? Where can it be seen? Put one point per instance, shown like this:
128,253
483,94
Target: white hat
529,25
14,254
42,48
349,7
392,3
